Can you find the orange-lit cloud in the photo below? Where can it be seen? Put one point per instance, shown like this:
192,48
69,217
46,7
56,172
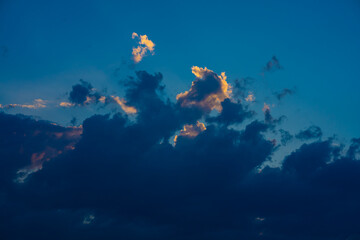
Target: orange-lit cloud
266,108
145,45
207,91
38,103
105,100
102,99
191,131
66,104
71,135
124,107
89,100
250,97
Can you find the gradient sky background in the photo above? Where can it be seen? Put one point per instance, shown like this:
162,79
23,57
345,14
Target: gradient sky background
47,46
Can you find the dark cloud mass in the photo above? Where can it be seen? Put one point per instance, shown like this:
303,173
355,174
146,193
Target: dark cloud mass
309,133
231,113
82,93
286,91
124,179
272,65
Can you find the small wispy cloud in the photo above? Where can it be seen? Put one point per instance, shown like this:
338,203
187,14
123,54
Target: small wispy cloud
88,219
286,91
191,130
310,133
250,97
38,103
122,103
66,104
145,45
272,65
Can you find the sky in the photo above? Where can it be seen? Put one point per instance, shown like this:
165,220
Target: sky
180,119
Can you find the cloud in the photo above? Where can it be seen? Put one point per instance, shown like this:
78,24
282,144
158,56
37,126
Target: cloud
266,110
82,94
145,45
66,104
239,89
124,107
38,103
127,173
28,143
272,65
286,91
88,219
232,113
190,131
285,136
269,118
207,91
250,97
354,149
309,133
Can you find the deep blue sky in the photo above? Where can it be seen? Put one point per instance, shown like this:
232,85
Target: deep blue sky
50,45
118,160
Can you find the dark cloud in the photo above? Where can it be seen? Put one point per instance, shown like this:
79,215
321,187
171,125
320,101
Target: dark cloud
83,93
286,91
240,87
124,179
26,144
207,91
354,149
285,136
73,121
231,113
309,133
269,118
272,65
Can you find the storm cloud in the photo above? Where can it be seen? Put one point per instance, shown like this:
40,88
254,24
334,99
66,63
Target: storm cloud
125,179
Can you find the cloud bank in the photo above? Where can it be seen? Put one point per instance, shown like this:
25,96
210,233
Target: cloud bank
115,178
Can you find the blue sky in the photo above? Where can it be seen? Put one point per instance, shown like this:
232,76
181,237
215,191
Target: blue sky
94,146
51,45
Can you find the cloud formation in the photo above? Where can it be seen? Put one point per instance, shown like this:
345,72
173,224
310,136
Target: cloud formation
118,178
272,65
286,91
232,113
250,97
145,45
122,104
285,136
191,130
38,103
309,133
82,94
27,143
207,91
